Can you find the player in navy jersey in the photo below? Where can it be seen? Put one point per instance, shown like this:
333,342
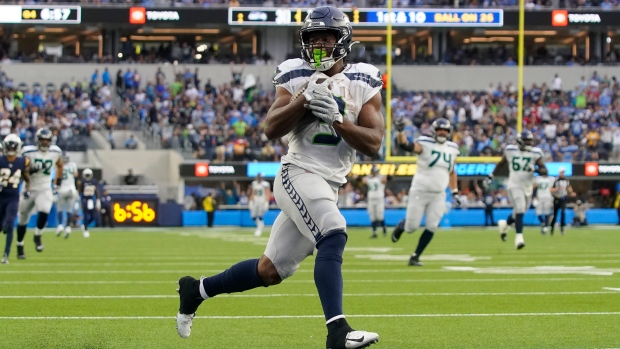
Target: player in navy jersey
90,199
13,169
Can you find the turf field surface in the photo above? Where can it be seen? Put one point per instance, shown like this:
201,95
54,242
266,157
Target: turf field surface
116,290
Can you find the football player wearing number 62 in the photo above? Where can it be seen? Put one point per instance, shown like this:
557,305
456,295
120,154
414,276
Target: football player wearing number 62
427,195
327,122
523,160
43,158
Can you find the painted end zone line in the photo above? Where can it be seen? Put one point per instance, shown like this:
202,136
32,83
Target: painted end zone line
275,317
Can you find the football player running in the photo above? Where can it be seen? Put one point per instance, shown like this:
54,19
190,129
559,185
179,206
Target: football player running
544,209
427,195
260,195
523,160
13,169
67,195
376,199
347,118
43,158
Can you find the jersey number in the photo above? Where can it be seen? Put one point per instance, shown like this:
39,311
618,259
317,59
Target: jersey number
45,165
328,138
66,173
373,186
447,158
543,186
258,192
89,190
521,163
6,178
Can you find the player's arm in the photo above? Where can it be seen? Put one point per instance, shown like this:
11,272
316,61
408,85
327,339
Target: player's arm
404,144
542,168
284,114
251,193
454,187
59,170
26,173
366,137
502,162
385,179
268,194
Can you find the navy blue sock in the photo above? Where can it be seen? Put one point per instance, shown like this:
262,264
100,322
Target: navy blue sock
374,227
384,227
425,239
60,217
42,220
328,272
545,220
541,218
519,223
240,277
400,227
510,220
8,230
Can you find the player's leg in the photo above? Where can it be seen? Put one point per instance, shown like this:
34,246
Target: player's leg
88,218
26,205
4,204
542,216
373,215
62,207
43,203
311,203
434,211
70,208
519,202
381,216
563,218
415,210
260,213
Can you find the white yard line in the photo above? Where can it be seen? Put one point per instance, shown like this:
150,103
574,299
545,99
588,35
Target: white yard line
276,317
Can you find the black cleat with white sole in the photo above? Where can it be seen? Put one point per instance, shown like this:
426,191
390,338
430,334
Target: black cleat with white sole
503,236
20,252
348,338
414,261
189,300
38,243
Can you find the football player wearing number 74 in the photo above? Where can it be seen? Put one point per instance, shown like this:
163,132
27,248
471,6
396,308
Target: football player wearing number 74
326,124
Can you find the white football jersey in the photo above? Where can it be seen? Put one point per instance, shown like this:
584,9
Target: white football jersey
376,188
46,161
260,190
315,148
521,165
68,176
544,186
435,164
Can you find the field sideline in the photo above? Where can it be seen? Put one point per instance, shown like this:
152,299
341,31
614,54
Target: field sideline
116,290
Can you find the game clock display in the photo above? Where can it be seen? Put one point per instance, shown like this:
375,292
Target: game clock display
135,212
51,14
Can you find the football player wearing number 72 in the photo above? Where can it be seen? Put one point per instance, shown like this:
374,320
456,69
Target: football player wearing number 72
306,186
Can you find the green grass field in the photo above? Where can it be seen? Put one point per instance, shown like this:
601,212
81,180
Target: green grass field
117,290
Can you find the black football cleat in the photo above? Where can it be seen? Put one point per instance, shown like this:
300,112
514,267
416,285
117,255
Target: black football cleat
414,261
190,299
20,252
38,243
503,236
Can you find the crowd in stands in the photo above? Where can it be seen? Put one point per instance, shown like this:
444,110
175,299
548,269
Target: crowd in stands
71,110
530,4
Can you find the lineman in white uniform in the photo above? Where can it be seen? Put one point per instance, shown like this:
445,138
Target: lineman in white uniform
544,209
523,160
427,195
43,158
344,114
260,195
376,199
67,195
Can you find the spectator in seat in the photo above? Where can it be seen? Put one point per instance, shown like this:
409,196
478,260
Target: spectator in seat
130,179
131,143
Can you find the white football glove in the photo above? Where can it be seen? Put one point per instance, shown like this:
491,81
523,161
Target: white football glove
314,89
487,181
457,199
324,107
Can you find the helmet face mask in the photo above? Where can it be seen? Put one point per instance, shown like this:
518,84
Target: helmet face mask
333,27
65,157
44,139
374,171
441,124
525,140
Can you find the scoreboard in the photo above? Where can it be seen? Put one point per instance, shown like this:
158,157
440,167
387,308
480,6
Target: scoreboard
373,17
40,14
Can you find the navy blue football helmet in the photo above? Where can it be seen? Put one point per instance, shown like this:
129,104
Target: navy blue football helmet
525,140
11,144
44,138
441,124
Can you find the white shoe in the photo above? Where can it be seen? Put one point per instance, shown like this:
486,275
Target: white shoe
184,324
258,233
502,224
360,339
519,243
67,232
5,259
59,229
86,234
